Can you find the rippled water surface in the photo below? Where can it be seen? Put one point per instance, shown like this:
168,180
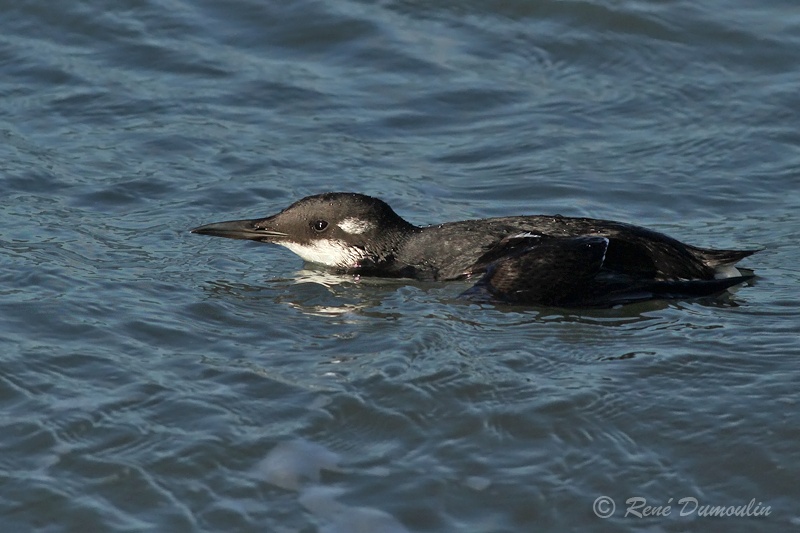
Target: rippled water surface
154,380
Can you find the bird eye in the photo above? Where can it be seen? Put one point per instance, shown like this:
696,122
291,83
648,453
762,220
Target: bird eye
319,225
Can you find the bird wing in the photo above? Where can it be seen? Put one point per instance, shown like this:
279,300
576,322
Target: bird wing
543,270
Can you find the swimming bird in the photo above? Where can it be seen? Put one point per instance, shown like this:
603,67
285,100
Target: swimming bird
529,260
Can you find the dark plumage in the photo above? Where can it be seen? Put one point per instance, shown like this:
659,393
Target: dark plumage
536,260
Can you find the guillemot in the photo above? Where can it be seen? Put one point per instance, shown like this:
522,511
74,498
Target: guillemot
530,260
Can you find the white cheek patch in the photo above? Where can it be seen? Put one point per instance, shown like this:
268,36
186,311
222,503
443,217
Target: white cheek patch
327,252
355,225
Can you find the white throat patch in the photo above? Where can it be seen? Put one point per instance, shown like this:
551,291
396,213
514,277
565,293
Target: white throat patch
332,253
355,225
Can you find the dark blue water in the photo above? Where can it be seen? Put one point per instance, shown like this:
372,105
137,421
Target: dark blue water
154,380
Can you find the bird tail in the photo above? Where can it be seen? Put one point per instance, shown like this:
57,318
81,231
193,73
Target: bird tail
721,258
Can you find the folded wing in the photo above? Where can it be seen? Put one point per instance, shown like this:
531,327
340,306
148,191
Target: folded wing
574,272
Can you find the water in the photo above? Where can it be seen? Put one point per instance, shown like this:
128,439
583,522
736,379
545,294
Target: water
153,380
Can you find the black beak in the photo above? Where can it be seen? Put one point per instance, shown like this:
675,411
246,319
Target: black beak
252,230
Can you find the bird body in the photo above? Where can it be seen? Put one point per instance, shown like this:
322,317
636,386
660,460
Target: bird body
532,260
